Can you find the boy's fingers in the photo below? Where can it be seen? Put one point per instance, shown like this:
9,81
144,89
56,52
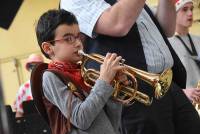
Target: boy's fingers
117,60
107,56
113,57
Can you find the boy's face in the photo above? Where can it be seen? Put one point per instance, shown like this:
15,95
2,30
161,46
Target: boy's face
67,43
185,15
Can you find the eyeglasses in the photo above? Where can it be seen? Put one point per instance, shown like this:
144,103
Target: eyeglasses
70,38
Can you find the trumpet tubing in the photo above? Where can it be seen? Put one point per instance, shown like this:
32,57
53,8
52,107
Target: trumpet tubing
197,104
128,94
143,98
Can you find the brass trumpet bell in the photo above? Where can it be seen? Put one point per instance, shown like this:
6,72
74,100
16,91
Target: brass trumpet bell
128,94
160,82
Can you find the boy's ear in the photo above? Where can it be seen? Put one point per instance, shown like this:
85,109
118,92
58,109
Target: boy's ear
47,48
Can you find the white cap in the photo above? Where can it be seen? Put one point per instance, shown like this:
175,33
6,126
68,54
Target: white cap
181,3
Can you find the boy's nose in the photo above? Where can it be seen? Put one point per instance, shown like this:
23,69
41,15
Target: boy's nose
78,43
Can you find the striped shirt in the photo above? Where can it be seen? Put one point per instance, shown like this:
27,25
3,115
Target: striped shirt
157,54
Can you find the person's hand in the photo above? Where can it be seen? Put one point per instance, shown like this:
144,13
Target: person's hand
193,94
110,67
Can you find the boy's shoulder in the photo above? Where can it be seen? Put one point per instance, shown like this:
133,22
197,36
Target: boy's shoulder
48,75
51,77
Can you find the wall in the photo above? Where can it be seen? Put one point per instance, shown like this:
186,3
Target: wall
18,42
195,29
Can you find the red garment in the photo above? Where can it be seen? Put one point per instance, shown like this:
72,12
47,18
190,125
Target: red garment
73,71
23,94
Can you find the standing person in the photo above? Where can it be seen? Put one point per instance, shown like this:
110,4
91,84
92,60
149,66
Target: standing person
187,47
24,92
60,40
130,28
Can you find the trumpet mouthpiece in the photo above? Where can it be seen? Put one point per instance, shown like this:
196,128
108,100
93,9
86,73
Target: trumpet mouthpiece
122,61
80,52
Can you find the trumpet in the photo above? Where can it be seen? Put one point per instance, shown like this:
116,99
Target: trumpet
197,104
127,95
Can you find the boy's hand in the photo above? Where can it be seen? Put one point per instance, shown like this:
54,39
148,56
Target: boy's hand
110,67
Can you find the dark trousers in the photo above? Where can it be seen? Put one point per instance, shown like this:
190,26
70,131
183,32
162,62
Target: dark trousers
173,114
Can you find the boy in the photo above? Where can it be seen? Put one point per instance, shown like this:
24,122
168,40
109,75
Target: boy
59,39
187,47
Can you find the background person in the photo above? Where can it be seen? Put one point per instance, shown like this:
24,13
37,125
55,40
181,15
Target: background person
24,92
187,47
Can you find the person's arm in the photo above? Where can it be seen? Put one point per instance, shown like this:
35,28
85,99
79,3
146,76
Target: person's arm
119,18
193,94
83,113
98,16
166,15
19,114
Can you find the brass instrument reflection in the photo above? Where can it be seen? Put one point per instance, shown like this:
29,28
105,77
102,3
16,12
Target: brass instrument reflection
129,94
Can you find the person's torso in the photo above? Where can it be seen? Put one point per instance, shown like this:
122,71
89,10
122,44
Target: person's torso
107,121
193,71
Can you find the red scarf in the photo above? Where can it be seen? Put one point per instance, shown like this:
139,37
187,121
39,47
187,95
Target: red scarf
73,71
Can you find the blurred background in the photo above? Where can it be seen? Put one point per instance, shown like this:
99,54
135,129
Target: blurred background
18,40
